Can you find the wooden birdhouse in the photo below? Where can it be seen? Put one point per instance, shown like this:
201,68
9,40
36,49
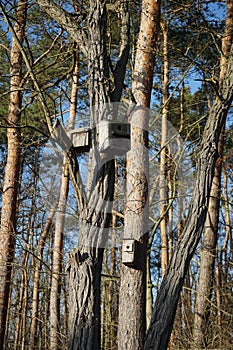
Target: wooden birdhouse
114,137
129,251
81,139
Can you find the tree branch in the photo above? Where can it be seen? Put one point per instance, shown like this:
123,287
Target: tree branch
67,21
120,68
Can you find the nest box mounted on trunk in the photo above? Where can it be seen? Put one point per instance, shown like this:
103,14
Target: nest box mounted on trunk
114,137
81,139
130,251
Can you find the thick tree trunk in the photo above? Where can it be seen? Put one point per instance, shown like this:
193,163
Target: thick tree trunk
132,294
10,190
86,261
208,256
167,299
85,267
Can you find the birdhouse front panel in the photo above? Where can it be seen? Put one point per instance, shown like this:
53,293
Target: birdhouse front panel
114,137
129,251
80,139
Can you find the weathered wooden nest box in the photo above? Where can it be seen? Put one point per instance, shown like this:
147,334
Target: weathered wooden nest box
129,251
114,137
81,139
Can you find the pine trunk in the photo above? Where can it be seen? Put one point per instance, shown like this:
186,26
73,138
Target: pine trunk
132,294
163,158
12,170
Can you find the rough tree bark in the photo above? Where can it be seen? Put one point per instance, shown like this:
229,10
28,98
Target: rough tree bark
208,254
132,294
166,303
85,261
11,178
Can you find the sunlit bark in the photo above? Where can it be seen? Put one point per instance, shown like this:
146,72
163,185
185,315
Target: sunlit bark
11,185
132,294
164,157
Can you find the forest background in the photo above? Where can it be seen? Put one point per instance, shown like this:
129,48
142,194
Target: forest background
166,68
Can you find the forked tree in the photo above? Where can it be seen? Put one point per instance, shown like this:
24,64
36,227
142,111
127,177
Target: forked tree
105,84
85,261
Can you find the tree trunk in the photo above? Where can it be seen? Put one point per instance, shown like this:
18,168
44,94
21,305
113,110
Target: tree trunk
55,294
208,255
110,294
149,295
219,296
36,280
208,251
11,185
22,305
228,228
163,157
86,260
56,280
166,303
85,271
132,294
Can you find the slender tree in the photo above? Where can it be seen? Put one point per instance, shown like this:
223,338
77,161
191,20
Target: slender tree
208,251
163,156
56,283
33,339
12,170
132,294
